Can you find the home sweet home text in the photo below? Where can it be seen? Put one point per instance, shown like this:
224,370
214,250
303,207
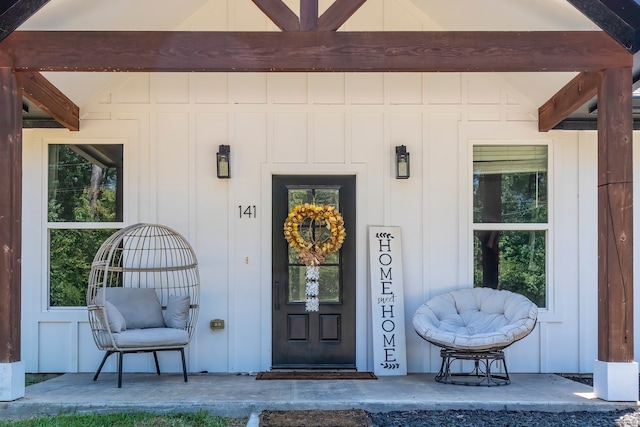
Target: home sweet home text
387,301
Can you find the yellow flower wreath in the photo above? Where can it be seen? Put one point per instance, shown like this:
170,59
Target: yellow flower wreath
312,252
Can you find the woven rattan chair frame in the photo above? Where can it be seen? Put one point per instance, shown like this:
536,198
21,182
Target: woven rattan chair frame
142,256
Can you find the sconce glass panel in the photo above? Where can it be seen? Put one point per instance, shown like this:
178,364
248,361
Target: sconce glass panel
223,162
402,163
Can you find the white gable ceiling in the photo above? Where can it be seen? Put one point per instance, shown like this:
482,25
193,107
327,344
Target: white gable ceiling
498,15
504,15
123,15
493,15
112,15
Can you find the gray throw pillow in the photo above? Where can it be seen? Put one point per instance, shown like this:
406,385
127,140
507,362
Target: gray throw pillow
177,312
140,307
114,318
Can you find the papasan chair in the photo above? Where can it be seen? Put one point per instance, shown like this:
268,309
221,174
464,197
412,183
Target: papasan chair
475,324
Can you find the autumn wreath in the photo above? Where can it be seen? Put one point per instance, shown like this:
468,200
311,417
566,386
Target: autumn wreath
315,247
311,244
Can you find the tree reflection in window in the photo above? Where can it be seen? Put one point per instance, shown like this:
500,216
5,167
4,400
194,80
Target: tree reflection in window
85,183
510,188
84,186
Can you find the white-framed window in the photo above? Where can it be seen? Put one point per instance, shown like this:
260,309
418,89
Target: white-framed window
511,219
84,206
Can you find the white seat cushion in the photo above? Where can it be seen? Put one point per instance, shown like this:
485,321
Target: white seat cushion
151,337
475,319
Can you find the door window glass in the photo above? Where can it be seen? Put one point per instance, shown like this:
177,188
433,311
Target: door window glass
329,280
329,289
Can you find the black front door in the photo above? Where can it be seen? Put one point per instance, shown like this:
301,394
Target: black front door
324,338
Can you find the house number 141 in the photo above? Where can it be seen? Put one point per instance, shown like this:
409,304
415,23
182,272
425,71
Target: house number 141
248,211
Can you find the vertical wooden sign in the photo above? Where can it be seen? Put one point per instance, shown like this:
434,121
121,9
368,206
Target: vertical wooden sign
387,301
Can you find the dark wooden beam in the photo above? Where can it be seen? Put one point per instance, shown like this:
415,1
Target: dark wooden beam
338,13
49,99
586,124
618,18
575,94
280,14
308,51
15,12
308,15
10,215
615,217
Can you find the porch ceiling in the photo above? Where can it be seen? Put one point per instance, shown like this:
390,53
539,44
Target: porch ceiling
619,18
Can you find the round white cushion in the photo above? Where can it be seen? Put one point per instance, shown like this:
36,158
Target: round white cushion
475,319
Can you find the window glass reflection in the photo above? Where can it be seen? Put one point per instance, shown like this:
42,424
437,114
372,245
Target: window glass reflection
85,183
510,184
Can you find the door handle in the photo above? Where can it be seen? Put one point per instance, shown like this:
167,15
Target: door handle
276,302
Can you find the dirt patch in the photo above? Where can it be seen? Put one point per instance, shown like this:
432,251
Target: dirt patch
579,378
315,418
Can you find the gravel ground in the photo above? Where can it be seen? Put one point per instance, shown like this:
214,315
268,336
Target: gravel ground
482,418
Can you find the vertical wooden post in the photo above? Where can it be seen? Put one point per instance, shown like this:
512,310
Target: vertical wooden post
308,15
10,215
615,218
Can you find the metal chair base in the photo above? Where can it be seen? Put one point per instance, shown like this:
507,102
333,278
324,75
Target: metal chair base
155,358
485,363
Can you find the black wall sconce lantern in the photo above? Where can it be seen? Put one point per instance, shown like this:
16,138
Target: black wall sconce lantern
402,162
223,157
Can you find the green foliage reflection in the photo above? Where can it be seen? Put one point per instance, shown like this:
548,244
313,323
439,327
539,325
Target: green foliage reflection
82,187
70,258
81,190
510,185
521,265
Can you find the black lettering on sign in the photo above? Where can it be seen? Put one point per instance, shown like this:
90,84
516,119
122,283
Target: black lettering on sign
385,257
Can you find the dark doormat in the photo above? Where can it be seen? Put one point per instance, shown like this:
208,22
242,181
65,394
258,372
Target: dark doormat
315,418
313,375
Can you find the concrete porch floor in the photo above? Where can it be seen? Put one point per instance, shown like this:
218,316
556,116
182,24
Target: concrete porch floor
241,395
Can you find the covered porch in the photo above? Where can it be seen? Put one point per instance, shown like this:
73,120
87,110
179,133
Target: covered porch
310,43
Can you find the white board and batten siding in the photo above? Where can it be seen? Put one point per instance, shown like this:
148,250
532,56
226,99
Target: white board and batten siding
317,123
